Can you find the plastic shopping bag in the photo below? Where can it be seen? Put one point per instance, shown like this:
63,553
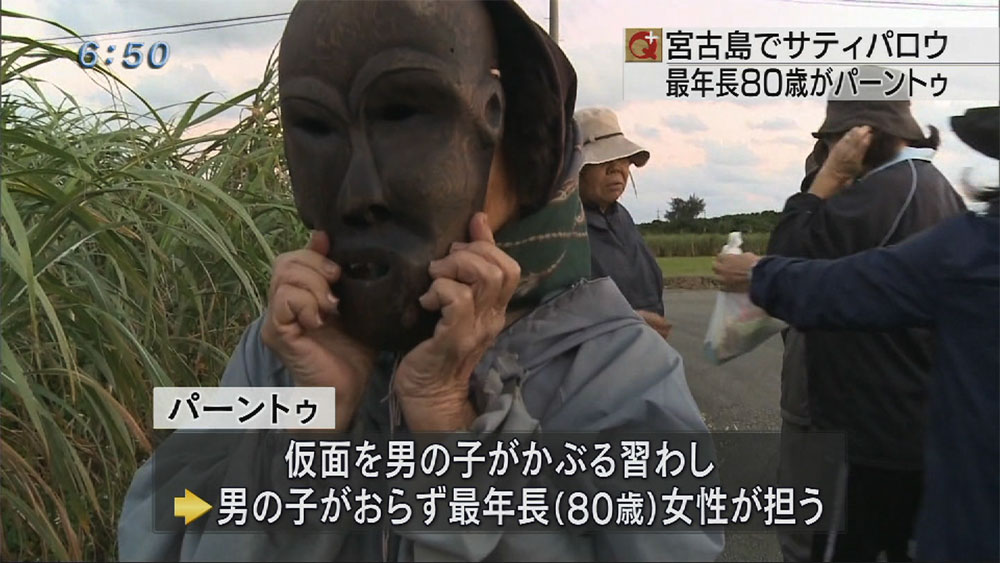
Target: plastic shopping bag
737,325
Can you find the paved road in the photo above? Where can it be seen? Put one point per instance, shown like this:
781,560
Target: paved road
739,395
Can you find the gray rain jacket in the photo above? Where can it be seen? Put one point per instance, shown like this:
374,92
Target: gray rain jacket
581,361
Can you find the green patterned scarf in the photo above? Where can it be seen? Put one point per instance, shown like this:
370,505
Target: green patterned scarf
551,244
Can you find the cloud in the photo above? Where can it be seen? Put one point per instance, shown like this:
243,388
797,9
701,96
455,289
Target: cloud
684,123
730,154
723,190
789,140
599,75
775,124
648,132
101,16
162,89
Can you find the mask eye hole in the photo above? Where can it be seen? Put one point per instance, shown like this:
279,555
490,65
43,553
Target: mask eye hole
314,127
396,112
494,111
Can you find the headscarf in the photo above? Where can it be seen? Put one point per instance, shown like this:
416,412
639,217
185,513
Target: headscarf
549,238
551,244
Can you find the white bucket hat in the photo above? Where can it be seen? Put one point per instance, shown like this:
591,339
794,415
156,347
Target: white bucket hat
603,140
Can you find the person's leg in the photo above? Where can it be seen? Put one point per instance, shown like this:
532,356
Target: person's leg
861,540
795,545
901,506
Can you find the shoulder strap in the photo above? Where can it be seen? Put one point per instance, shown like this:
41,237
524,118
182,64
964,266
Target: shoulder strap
906,204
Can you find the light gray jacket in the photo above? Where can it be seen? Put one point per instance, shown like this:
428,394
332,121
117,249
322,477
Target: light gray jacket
581,361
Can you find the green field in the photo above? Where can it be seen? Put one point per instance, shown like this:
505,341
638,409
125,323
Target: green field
700,244
686,266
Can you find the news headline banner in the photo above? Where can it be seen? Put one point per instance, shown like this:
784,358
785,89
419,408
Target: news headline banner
317,482
733,64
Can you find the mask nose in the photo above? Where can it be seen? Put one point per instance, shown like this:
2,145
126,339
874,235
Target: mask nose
361,202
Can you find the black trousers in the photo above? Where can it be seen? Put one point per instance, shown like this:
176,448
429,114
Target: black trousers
881,509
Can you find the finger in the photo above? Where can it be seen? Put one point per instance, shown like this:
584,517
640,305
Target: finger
293,305
304,277
850,137
479,229
325,267
319,242
861,136
721,263
865,138
485,278
508,266
454,301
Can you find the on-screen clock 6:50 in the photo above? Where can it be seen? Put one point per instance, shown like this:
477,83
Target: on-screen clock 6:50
132,56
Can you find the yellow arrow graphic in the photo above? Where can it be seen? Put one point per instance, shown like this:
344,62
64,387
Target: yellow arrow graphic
190,507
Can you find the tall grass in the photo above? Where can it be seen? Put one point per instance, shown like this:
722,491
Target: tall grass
133,255
701,244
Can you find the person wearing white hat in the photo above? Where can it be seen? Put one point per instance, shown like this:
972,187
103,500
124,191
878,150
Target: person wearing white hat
617,249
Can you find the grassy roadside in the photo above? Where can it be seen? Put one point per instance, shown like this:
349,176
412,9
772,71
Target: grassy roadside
700,244
688,272
682,266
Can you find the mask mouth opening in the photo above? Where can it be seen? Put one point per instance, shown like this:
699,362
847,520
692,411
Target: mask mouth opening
366,270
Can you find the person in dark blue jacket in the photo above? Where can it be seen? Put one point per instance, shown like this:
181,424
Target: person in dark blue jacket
946,278
617,249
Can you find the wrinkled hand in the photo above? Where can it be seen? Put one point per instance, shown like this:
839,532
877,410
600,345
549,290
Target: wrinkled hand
734,270
472,286
844,163
658,323
302,327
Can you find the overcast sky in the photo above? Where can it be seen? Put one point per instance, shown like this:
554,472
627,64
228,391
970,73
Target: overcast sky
740,157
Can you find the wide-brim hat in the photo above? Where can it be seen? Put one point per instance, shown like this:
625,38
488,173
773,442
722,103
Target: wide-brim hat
869,98
893,118
980,129
603,139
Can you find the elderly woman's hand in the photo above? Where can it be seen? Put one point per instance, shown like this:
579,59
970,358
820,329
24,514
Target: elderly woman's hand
734,270
303,328
658,323
472,287
844,163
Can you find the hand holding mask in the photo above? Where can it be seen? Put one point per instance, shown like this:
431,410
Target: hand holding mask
303,328
471,289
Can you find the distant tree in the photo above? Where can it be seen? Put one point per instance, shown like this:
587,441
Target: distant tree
685,210
757,222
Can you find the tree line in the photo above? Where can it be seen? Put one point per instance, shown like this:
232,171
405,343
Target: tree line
684,215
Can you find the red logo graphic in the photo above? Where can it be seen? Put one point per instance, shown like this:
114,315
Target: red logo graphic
647,52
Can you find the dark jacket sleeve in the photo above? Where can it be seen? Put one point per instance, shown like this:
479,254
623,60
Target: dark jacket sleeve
864,214
811,227
878,289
